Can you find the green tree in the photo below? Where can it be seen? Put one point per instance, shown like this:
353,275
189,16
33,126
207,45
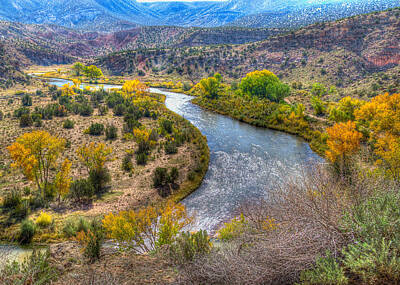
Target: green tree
210,87
264,85
78,68
93,71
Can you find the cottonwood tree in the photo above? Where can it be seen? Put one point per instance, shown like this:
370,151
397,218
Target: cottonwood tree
36,154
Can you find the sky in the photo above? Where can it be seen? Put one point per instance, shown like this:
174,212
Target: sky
181,0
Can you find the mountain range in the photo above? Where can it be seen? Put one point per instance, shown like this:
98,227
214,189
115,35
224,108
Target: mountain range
111,15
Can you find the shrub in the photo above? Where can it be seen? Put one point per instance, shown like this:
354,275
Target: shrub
160,177
170,148
188,246
26,100
111,132
85,110
25,121
166,125
127,164
142,158
174,175
81,190
68,124
21,111
35,270
119,110
96,129
27,231
157,226
13,199
92,240
232,229
99,178
1,115
44,220
103,110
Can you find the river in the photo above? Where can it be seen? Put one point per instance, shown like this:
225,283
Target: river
246,162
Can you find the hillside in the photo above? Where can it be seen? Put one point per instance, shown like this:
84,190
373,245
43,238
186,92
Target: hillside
338,53
10,72
300,16
51,44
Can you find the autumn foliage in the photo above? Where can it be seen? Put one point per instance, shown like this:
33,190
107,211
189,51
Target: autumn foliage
148,228
36,154
343,141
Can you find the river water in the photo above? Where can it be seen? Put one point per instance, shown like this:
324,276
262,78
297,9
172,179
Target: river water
246,162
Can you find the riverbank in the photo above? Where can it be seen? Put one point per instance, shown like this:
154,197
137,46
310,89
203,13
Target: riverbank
266,114
129,190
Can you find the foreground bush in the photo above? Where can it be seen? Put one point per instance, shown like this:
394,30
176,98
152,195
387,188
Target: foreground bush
188,246
35,270
147,229
285,235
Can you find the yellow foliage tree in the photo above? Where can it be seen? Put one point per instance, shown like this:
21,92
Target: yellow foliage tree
67,90
148,228
345,109
94,156
63,179
381,116
36,153
343,141
134,87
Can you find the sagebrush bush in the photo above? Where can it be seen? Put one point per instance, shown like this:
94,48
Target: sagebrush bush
99,178
35,269
26,100
327,271
27,232
142,158
188,246
13,199
81,190
170,148
127,164
111,132
96,129
25,121
68,124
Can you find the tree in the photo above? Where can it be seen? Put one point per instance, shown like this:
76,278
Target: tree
93,71
93,156
345,109
78,67
63,180
318,90
134,87
67,90
343,141
381,118
264,85
210,87
36,154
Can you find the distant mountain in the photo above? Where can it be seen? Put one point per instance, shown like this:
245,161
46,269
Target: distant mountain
112,15
298,15
51,44
350,53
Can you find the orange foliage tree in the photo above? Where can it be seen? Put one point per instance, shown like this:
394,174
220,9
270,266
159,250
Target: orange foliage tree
343,141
